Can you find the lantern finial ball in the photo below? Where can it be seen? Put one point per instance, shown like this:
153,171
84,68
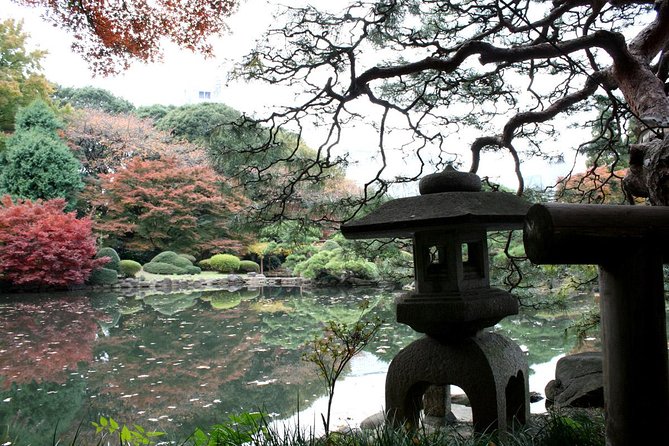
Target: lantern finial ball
450,180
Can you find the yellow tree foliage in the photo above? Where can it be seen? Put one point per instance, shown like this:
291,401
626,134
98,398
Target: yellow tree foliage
20,79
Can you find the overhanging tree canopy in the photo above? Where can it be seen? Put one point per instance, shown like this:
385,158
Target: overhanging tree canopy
110,34
506,68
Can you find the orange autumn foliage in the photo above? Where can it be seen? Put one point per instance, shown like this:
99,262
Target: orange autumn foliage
110,34
163,205
596,185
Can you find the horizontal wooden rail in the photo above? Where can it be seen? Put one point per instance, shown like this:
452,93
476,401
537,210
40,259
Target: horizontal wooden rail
591,234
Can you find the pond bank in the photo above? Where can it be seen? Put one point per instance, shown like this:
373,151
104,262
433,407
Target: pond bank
167,284
171,283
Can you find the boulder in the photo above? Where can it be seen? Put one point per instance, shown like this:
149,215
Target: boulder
578,381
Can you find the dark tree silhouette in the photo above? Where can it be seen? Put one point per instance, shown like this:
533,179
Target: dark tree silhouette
508,69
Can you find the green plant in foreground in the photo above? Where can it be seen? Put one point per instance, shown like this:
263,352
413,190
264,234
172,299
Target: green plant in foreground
576,427
237,431
137,435
334,350
572,428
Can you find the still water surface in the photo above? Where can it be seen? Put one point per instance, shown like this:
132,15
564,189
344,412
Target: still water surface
174,362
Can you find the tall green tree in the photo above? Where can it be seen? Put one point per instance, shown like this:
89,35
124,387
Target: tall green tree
264,159
21,80
37,164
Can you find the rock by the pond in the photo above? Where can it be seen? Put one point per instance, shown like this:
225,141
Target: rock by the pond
535,397
578,381
234,278
373,421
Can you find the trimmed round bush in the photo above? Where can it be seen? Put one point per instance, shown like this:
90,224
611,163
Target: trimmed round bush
115,261
192,269
103,276
189,257
205,264
129,268
225,263
181,262
163,268
172,258
165,257
249,266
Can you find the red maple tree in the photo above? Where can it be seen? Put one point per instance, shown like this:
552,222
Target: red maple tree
162,204
41,244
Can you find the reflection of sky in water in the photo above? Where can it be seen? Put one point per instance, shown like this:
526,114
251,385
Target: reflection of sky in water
177,361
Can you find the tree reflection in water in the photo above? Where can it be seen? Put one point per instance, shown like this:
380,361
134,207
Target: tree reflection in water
173,362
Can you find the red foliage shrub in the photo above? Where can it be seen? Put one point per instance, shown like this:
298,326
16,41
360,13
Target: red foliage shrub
41,244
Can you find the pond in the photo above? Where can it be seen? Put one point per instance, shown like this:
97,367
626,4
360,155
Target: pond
174,362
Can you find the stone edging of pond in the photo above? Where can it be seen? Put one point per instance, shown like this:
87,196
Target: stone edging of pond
251,281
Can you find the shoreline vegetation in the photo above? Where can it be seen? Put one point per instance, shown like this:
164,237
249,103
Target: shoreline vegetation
173,282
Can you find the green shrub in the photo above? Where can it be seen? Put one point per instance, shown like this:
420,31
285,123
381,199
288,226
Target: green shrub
336,263
163,268
192,269
166,257
225,263
129,268
181,262
205,264
248,266
359,268
314,265
103,276
189,257
330,245
176,260
294,259
114,263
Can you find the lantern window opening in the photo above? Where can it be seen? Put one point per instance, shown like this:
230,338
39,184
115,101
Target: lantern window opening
436,261
473,264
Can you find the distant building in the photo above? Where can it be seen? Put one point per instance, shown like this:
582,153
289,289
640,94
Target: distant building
206,88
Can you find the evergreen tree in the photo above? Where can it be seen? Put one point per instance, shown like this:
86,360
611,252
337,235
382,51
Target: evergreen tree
37,163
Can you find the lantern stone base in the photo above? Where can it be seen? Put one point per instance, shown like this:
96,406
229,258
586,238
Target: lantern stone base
490,368
455,315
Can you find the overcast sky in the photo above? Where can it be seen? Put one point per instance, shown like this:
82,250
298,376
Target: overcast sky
174,81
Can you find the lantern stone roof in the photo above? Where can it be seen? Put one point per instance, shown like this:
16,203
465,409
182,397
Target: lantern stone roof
448,200
404,216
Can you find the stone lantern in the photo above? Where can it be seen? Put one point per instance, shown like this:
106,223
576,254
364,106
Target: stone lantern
453,301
